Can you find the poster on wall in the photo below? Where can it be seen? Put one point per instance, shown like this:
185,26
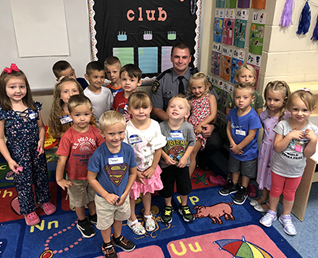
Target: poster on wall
230,3
218,88
257,33
141,31
218,25
258,4
216,58
243,4
240,26
255,61
237,61
219,3
226,60
228,26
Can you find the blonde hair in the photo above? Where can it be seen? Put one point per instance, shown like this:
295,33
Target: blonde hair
112,60
282,87
57,105
78,100
110,118
244,86
183,97
139,99
306,96
247,67
199,76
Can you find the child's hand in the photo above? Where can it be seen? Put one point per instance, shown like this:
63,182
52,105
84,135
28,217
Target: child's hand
140,176
13,166
296,134
64,184
148,173
310,135
182,162
40,148
198,129
236,150
169,160
112,199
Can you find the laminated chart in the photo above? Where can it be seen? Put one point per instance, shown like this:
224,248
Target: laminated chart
243,4
228,26
148,59
216,58
226,60
255,61
257,33
220,4
218,25
258,4
230,3
165,58
124,54
237,61
240,26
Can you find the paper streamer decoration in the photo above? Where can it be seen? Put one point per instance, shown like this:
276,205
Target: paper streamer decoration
286,19
304,20
315,33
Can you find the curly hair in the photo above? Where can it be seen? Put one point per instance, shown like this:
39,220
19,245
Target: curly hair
57,106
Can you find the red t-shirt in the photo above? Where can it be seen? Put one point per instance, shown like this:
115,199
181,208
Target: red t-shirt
79,147
120,104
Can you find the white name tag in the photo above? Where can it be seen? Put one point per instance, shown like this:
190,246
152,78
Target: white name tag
176,134
240,132
134,139
32,115
115,160
65,119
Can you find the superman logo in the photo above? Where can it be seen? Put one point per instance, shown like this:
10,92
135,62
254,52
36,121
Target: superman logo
116,172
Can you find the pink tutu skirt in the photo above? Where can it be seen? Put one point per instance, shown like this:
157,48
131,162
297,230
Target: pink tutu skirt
151,185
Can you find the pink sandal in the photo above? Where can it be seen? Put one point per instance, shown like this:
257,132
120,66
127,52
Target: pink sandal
32,219
251,190
48,208
213,180
222,180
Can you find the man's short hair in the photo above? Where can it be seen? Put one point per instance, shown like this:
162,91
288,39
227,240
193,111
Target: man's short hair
181,45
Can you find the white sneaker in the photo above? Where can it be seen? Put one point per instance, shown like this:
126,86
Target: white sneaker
289,227
268,218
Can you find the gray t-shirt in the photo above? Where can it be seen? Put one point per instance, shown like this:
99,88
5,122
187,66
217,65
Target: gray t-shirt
291,162
177,141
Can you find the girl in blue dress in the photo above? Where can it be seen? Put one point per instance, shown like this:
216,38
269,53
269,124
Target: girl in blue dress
22,125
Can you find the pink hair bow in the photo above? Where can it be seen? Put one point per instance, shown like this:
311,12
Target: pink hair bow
13,67
304,89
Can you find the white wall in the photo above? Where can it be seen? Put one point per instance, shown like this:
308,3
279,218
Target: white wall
39,69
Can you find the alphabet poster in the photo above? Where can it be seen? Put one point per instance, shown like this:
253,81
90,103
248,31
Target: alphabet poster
258,4
255,61
240,26
257,33
237,61
219,3
216,59
218,25
142,31
230,4
228,26
226,60
243,4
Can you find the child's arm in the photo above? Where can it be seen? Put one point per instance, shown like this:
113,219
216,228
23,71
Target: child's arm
310,148
209,118
183,161
131,180
60,172
250,136
168,160
148,173
41,135
4,150
233,145
109,197
281,143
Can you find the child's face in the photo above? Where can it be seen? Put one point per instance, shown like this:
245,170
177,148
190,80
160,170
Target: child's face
96,79
140,114
243,98
69,72
114,135
198,88
68,89
177,109
81,116
129,84
245,76
16,89
274,100
299,111
112,72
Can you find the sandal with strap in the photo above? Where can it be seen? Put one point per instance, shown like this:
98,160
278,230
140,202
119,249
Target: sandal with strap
149,223
255,202
136,227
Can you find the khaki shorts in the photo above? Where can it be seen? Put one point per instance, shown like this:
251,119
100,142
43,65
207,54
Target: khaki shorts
107,213
81,193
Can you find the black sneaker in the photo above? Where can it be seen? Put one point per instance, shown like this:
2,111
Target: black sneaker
124,244
93,218
186,213
228,189
109,251
241,195
166,216
86,228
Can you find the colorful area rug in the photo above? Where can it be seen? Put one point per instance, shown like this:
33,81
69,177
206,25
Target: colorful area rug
221,229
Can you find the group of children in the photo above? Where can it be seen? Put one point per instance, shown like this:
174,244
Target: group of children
111,157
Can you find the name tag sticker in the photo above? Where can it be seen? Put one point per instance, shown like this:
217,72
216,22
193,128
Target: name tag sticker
134,139
240,132
176,134
32,114
65,119
116,159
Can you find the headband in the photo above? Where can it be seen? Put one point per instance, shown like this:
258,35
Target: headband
12,68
